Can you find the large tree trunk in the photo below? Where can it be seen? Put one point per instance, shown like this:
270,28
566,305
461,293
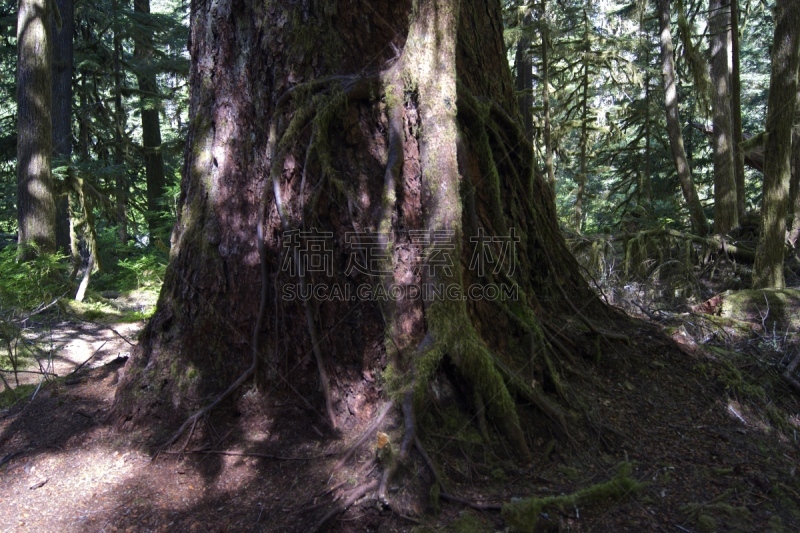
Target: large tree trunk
698,217
726,216
150,106
62,108
375,162
794,185
768,268
35,198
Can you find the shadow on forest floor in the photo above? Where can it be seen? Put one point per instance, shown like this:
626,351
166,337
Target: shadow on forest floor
701,413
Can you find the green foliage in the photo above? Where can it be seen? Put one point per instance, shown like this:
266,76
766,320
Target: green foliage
129,266
9,397
28,285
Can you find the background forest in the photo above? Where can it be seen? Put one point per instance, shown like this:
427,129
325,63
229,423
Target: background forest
590,88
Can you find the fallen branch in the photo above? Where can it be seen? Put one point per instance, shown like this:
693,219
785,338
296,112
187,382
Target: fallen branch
790,379
89,359
249,454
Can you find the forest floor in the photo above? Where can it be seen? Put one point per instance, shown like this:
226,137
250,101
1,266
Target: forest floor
696,405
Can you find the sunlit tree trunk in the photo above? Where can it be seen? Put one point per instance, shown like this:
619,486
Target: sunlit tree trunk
35,197
725,204
698,217
768,269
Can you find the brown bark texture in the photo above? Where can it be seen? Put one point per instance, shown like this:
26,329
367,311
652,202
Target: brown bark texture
698,218
149,105
768,268
62,31
726,215
736,109
392,150
35,199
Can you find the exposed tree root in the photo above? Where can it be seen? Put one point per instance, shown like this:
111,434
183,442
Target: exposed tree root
352,497
192,420
367,434
788,375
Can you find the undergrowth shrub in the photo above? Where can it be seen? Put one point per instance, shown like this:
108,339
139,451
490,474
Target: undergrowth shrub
24,286
131,266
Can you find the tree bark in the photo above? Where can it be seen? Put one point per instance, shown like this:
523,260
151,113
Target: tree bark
726,216
794,184
388,142
120,179
698,217
549,165
736,109
768,269
150,105
524,68
62,108
35,198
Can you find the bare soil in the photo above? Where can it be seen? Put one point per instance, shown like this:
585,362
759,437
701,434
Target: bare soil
711,452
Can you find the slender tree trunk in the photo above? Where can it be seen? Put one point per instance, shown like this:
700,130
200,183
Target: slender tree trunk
698,217
150,106
548,128
645,189
121,182
524,67
584,144
647,186
35,196
736,108
725,204
62,108
768,268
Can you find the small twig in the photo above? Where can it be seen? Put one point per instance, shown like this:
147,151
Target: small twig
202,412
46,307
469,503
89,359
251,454
37,372
355,494
644,310
367,434
8,457
121,336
